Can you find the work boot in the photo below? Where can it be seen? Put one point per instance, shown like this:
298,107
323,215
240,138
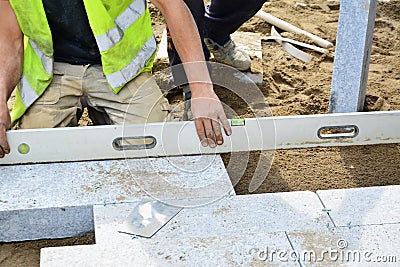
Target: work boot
187,95
229,54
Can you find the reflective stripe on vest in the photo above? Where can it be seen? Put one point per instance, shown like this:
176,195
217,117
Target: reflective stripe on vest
119,78
28,95
47,62
123,21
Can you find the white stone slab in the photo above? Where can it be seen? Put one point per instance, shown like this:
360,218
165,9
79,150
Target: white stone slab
55,200
363,206
226,217
239,250
373,245
249,42
162,47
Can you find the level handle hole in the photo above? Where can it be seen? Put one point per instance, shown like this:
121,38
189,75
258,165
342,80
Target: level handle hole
134,143
337,132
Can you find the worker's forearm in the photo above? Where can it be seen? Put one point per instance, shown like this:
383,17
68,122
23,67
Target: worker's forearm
206,106
186,39
11,51
10,68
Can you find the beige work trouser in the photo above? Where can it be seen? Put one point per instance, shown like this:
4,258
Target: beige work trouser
75,87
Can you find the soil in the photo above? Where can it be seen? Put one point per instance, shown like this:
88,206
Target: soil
292,87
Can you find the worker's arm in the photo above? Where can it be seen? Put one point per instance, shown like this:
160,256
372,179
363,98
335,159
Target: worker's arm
11,54
206,107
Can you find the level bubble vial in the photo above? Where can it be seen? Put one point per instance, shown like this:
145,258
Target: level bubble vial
23,148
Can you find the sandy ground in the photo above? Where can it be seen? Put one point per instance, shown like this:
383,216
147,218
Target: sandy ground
291,87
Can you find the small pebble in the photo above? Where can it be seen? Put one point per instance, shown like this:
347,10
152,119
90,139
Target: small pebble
301,5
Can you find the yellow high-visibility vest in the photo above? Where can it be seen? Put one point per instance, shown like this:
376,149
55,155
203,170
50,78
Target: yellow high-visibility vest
123,35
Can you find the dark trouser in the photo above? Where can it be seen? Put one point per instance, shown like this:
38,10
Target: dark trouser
217,21
224,17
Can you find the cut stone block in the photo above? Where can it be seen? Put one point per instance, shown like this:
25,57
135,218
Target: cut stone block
239,250
352,55
373,245
363,206
45,223
225,217
45,201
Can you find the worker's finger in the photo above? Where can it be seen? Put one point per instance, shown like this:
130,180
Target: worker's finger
200,131
225,123
4,147
209,132
217,131
2,152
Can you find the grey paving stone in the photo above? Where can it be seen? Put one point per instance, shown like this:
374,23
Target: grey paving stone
227,216
373,245
241,249
43,200
363,206
352,55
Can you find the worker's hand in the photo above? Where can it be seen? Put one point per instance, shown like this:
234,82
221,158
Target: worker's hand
5,124
208,113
